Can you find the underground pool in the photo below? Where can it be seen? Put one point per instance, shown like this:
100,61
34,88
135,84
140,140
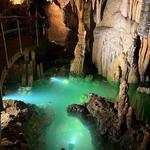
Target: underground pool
66,131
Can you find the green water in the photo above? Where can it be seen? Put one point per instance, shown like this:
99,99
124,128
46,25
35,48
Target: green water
65,131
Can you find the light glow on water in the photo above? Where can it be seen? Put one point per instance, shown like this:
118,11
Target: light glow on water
66,81
59,80
65,131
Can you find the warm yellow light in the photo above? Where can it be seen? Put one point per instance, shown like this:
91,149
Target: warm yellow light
65,81
17,1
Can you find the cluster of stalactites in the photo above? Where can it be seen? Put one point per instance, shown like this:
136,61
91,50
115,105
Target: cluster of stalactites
134,12
77,5
95,4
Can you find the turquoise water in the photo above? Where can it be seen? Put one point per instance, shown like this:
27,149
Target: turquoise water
57,93
65,131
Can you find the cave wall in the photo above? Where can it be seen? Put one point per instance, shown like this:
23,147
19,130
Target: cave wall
115,42
144,52
114,38
121,46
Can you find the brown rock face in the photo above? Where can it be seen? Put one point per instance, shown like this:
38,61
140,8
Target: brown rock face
63,3
57,29
13,136
19,121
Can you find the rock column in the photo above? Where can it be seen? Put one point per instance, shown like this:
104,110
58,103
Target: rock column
77,64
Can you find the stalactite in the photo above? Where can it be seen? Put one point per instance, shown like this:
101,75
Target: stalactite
93,4
63,3
130,9
144,32
135,7
144,57
98,10
30,74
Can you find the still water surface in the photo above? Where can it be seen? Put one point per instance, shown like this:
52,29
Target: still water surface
58,92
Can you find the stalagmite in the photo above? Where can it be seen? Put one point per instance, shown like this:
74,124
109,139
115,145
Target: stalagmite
26,56
93,4
38,71
24,75
123,103
30,74
33,59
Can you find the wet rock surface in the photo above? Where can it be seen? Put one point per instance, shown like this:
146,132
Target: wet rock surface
144,90
115,121
22,126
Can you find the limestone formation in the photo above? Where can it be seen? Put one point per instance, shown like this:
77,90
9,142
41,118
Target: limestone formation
19,121
78,62
118,25
114,37
116,121
57,29
144,23
144,59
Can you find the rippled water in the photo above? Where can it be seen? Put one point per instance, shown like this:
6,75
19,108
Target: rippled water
65,131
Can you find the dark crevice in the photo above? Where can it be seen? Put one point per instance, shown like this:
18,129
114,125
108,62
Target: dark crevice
103,8
138,46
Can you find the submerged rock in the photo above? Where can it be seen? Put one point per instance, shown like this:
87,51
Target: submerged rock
144,90
25,90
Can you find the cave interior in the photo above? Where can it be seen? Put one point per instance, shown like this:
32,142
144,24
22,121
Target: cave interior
75,74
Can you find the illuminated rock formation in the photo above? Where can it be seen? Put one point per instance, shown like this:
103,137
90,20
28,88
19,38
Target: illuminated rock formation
116,44
57,31
144,59
116,121
78,62
17,1
83,9
115,40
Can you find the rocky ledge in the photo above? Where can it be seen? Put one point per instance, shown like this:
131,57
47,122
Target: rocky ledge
116,121
22,126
